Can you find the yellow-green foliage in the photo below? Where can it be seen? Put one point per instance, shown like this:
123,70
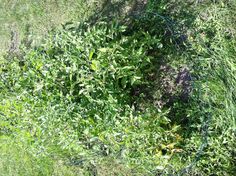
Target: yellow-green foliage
86,100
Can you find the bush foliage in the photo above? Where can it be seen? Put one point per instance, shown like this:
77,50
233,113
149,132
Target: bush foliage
109,97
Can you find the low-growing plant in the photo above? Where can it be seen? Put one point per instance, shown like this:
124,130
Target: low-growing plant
107,95
77,90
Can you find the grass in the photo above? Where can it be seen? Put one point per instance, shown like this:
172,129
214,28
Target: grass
33,20
102,98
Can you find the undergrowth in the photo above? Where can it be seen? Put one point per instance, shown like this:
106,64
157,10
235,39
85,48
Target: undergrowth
151,96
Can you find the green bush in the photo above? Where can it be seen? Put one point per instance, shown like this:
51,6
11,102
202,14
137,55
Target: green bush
76,92
89,96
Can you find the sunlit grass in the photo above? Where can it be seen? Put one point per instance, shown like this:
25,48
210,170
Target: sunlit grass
45,131
34,19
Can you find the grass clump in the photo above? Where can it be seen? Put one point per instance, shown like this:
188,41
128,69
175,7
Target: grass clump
16,159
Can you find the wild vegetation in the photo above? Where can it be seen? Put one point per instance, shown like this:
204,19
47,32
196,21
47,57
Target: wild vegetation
134,88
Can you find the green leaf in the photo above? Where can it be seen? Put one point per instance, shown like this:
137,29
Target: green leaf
91,54
104,49
95,65
135,79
